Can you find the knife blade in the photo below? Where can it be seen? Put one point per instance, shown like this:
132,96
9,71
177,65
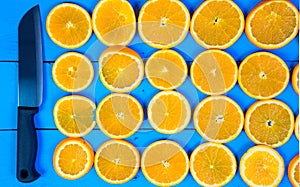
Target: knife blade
30,92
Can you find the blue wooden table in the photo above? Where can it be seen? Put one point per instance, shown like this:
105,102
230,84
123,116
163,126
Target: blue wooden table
48,136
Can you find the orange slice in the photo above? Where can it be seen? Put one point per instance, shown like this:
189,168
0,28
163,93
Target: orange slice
114,22
218,119
72,72
217,24
117,161
73,158
69,25
262,166
263,75
165,163
214,72
169,112
212,164
74,115
119,115
269,122
166,70
121,69
294,171
295,79
163,23
297,127
272,24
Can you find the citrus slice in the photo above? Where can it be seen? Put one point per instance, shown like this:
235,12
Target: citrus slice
263,75
294,171
297,127
69,25
214,72
295,79
269,122
212,164
121,69
119,115
169,112
165,163
74,115
218,119
217,24
262,166
117,161
272,24
114,22
166,70
72,72
73,158
163,23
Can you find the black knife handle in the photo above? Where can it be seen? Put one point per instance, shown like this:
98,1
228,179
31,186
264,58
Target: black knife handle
27,145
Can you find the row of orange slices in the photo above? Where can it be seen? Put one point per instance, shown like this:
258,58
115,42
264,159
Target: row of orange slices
165,163
165,23
216,118
261,75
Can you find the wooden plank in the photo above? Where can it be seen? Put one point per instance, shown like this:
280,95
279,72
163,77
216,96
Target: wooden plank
13,10
48,139
96,91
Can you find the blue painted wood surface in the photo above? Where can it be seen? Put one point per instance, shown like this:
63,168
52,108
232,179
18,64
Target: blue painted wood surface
10,14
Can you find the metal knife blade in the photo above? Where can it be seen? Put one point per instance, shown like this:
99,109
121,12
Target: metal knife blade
30,92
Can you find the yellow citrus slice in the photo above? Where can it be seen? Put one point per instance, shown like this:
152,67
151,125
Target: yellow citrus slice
69,25
218,119
214,72
163,23
262,166
166,70
72,72
119,115
74,115
212,164
269,122
165,163
217,24
294,171
117,161
169,112
121,69
297,127
73,158
272,24
114,22
295,79
263,75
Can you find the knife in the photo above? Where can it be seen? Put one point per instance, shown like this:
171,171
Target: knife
30,92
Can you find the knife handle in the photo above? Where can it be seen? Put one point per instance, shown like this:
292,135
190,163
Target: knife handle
27,145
